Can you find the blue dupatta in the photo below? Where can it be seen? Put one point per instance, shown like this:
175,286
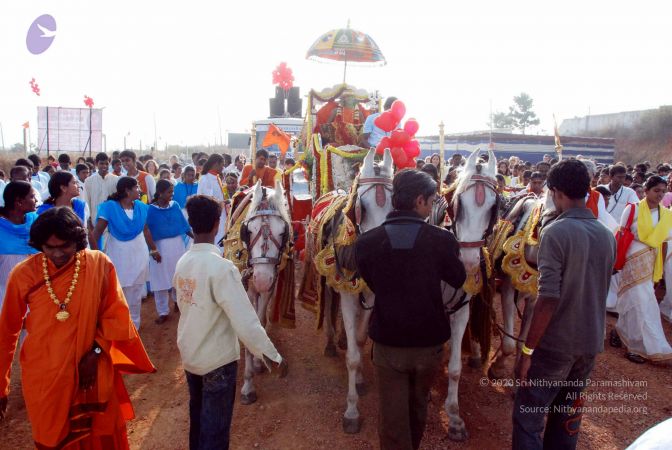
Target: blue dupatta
14,238
121,227
167,222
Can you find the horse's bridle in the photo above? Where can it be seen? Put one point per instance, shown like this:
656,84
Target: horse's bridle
381,184
489,183
266,234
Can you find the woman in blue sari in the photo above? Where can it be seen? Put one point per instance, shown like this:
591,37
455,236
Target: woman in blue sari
168,227
125,216
16,218
64,191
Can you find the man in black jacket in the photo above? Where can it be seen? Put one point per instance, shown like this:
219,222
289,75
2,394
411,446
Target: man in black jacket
403,262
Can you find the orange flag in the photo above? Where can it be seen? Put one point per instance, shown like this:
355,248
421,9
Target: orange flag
26,125
275,135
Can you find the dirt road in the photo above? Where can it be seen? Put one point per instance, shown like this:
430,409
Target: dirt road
304,410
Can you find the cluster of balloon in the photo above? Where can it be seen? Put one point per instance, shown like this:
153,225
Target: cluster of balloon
34,87
88,101
282,76
403,146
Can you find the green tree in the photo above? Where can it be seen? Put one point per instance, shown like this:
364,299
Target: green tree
521,112
501,120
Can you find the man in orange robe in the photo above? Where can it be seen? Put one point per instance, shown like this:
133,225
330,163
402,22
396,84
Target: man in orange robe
71,369
260,171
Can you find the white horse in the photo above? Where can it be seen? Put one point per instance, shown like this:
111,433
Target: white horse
475,203
523,214
373,203
266,232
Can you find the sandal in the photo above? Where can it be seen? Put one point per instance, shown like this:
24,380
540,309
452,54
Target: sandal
614,339
635,358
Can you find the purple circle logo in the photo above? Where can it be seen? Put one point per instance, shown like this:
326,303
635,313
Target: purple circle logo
41,34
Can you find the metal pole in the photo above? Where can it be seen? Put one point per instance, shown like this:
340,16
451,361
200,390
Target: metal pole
25,146
47,133
90,131
155,141
441,150
253,142
2,137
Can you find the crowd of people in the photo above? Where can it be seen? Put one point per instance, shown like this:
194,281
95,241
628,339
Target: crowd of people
158,226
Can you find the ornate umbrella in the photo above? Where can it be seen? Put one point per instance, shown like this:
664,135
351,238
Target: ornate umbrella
347,45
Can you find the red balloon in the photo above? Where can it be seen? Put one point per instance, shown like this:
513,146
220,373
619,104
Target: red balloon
398,110
398,157
386,121
411,127
412,149
399,138
382,145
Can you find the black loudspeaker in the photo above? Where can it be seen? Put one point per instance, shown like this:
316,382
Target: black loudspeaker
294,93
277,107
294,106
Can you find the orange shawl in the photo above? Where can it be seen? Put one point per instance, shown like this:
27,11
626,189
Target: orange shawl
267,176
60,413
593,198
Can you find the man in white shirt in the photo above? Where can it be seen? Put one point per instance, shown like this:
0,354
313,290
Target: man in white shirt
371,134
42,189
42,176
81,174
20,173
99,186
215,314
620,195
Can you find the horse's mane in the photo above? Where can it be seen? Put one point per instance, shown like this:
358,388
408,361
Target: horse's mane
272,204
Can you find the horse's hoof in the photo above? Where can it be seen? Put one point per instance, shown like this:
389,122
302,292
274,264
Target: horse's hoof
361,389
330,351
475,363
351,426
248,399
457,434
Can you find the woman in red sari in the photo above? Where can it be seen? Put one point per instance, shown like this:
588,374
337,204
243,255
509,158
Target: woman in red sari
80,339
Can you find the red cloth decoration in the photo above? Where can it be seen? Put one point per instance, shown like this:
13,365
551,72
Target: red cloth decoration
88,101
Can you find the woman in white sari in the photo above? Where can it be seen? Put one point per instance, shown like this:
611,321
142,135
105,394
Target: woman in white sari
639,323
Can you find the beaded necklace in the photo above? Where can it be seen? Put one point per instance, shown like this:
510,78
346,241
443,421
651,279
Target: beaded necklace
62,315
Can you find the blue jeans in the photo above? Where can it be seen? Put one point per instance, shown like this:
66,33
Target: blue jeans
211,399
564,378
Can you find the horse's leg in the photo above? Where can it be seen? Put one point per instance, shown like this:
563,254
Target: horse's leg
330,348
248,392
458,323
364,316
263,300
349,310
498,368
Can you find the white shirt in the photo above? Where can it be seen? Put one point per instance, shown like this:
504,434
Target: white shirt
215,312
97,189
619,200
209,185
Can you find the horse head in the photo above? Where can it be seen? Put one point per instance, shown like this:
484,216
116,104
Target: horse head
374,192
266,232
475,206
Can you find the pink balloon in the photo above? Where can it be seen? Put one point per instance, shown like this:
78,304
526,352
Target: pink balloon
411,127
399,138
386,121
382,145
398,110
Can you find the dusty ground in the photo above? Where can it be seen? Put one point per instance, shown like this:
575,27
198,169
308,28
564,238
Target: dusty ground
304,410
